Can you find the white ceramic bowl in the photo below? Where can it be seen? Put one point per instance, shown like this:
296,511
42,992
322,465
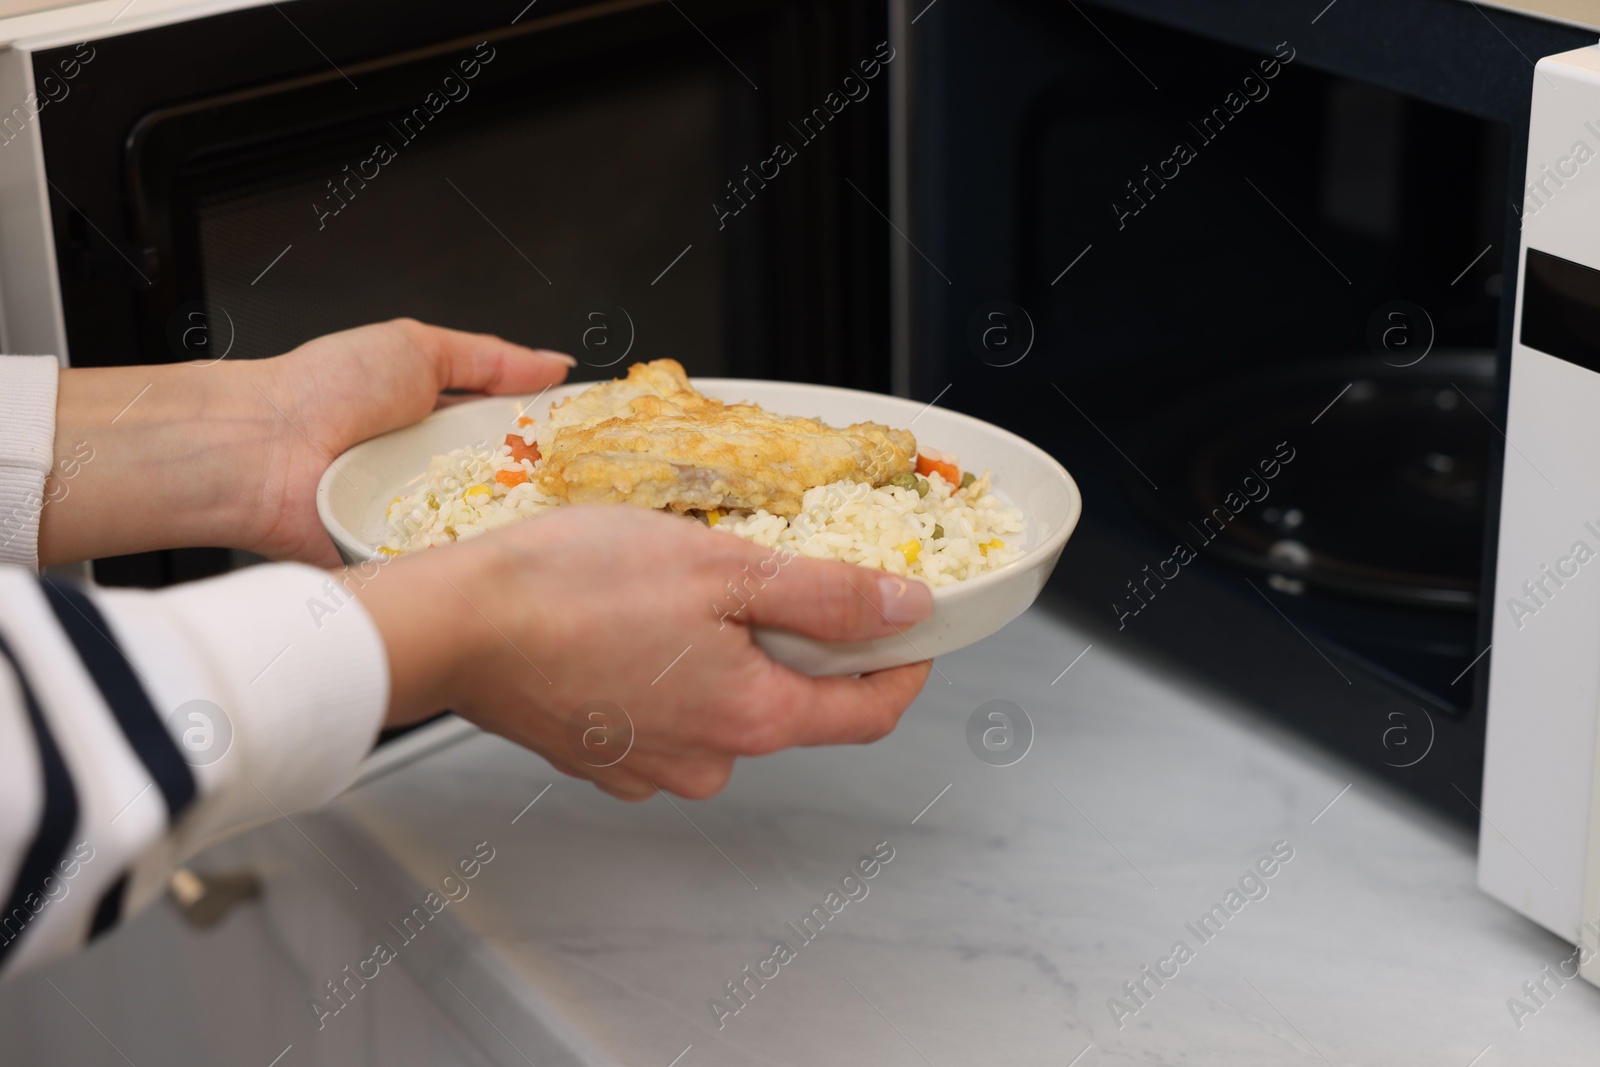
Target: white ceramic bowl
358,486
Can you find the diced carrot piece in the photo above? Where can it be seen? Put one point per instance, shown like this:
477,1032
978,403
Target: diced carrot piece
511,478
520,449
929,464
523,420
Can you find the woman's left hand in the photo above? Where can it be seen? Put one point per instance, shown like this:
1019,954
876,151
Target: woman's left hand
343,388
229,454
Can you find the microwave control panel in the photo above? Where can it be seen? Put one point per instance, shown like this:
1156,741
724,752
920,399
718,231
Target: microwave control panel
1539,841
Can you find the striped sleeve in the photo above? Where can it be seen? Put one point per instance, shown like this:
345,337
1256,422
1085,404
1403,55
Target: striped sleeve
137,727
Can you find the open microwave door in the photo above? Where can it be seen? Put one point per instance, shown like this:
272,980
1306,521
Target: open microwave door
625,180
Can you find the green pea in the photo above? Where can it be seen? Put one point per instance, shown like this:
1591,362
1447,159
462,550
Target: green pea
938,531
904,481
967,478
922,487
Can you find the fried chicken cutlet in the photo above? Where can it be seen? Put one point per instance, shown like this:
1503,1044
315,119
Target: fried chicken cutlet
652,440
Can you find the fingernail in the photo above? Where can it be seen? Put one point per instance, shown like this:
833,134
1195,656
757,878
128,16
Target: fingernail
904,602
557,357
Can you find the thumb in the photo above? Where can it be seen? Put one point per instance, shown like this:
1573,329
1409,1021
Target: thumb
483,363
838,601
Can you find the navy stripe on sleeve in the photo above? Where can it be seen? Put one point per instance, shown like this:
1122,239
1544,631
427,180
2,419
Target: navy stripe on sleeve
86,627
56,825
109,911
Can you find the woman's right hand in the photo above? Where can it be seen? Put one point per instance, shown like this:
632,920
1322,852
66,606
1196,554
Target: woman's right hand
520,629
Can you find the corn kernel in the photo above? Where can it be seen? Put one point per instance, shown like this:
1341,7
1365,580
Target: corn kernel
987,545
477,492
714,516
911,550
385,550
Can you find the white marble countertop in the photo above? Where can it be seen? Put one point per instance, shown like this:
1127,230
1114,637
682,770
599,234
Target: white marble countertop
1018,901
1015,905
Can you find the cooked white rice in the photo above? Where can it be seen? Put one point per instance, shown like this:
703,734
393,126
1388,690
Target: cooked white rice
888,528
894,529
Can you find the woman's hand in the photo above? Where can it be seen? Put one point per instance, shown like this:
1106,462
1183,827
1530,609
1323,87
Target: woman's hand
341,389
229,454
534,630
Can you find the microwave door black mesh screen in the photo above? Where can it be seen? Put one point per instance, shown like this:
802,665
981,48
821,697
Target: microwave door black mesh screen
522,226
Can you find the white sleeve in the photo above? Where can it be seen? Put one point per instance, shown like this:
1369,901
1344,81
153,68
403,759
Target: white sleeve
27,446
135,727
